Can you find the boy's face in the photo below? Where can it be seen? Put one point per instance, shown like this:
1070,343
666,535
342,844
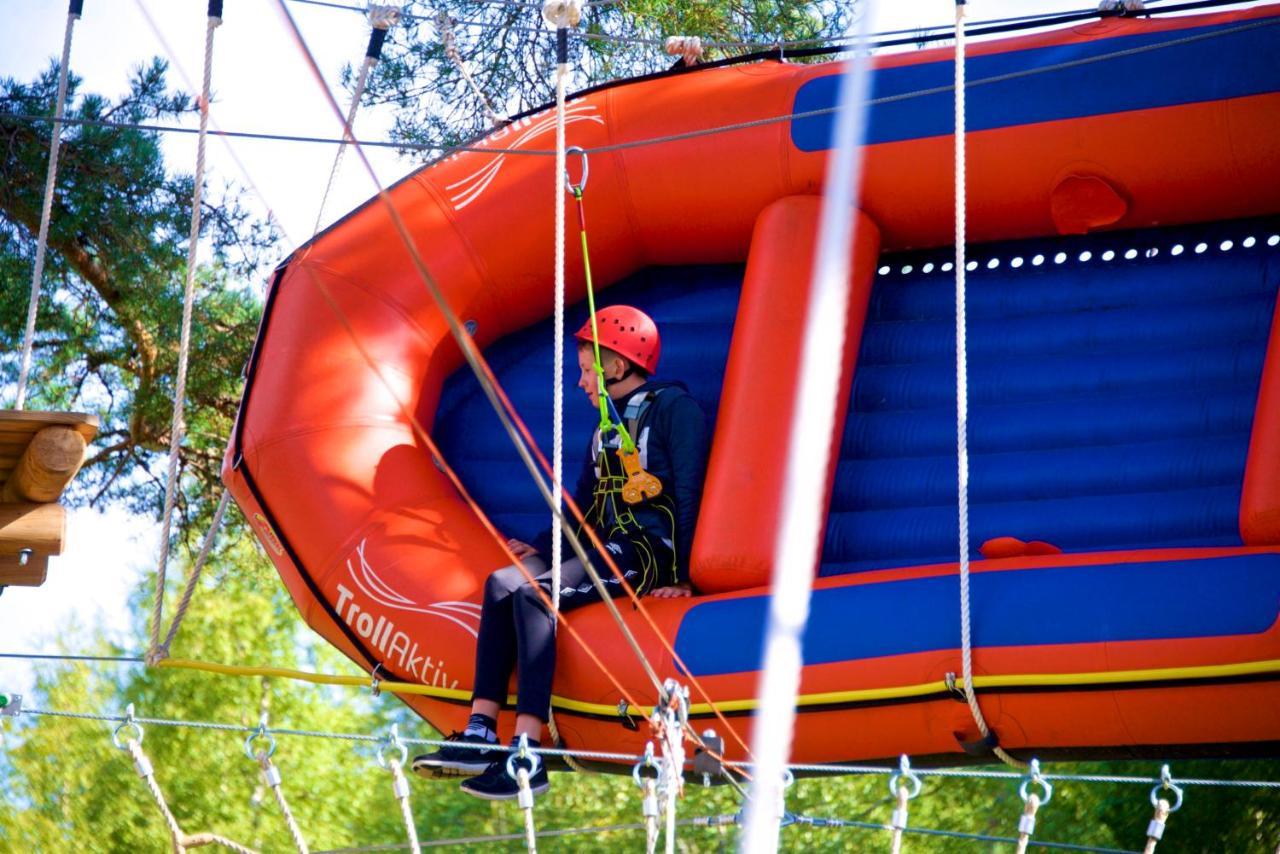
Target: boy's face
587,376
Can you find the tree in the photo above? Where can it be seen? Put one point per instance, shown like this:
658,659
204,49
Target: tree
510,52
108,325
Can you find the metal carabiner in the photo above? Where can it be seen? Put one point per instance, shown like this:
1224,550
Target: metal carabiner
577,189
128,722
523,752
260,732
1033,778
392,740
647,762
904,772
1166,782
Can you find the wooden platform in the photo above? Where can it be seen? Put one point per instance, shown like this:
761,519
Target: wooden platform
40,453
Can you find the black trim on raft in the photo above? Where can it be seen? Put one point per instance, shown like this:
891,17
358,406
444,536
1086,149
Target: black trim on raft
779,55
239,464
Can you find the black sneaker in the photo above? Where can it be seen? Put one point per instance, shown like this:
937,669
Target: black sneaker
495,784
450,761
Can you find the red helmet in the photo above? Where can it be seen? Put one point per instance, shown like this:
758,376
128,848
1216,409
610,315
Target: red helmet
629,332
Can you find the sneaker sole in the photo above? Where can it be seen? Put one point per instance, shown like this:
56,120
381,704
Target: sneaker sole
449,770
485,796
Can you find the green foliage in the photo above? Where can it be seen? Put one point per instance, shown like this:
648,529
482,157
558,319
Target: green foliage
510,52
111,305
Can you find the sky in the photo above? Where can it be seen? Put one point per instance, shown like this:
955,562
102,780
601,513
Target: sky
260,84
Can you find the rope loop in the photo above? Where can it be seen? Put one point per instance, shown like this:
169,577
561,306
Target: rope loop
260,732
688,48
383,16
128,722
1033,778
562,13
392,741
904,776
1167,785
578,188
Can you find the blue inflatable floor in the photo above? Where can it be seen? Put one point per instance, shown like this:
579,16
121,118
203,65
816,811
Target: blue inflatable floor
1113,380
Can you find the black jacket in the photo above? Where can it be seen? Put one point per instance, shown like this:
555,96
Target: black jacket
672,436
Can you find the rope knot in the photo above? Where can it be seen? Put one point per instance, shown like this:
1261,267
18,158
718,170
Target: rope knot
562,13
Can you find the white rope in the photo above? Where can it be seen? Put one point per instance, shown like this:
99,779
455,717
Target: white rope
808,457
162,651
649,809
51,177
271,774
526,806
401,786
561,15
180,390
962,397
381,18
899,819
669,720
444,25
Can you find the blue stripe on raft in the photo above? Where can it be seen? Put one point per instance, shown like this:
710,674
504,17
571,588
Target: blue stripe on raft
1232,65
1208,597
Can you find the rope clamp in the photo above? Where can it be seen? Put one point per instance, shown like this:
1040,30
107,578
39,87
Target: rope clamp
624,713
577,189
529,759
1167,784
260,732
10,705
1033,778
637,773
904,774
128,722
393,741
374,682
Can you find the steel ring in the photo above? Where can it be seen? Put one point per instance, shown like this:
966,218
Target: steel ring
1177,794
382,756
534,764
1024,789
912,780
637,775
260,732
586,169
115,736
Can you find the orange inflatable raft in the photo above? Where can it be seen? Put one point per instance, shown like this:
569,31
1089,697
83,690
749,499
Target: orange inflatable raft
1124,177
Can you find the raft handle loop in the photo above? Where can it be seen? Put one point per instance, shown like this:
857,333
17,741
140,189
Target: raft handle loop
393,741
637,773
260,732
1033,778
904,774
577,189
1167,784
137,728
523,754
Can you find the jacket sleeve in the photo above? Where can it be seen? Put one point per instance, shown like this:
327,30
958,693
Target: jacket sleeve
685,430
583,495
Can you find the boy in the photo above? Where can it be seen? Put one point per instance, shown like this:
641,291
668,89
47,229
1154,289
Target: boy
648,539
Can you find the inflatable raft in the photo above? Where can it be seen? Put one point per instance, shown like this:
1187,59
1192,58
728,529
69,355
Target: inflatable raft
1124,182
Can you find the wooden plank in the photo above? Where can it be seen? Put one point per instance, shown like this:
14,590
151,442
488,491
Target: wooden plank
50,462
39,527
31,575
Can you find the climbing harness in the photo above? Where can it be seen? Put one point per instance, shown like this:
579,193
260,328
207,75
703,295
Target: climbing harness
1031,803
905,787
400,785
521,765
46,211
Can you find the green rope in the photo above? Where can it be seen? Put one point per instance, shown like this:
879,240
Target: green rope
607,423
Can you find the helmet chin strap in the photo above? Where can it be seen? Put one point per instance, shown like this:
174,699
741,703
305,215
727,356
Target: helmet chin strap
631,369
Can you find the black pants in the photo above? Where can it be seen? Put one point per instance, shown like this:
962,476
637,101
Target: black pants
516,628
